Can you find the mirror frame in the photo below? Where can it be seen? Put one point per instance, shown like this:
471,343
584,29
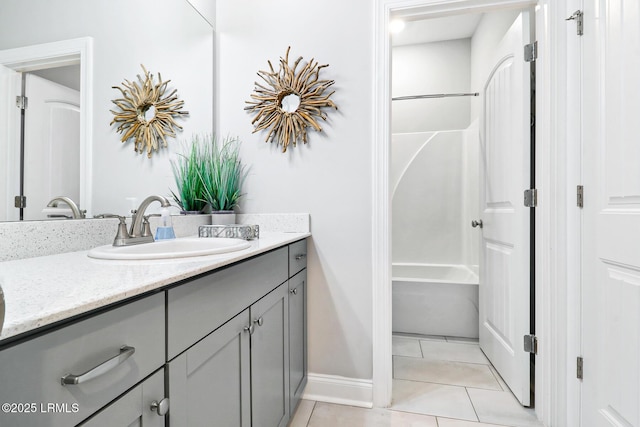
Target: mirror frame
289,127
58,54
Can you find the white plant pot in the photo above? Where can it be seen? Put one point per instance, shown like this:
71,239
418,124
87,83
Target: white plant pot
223,217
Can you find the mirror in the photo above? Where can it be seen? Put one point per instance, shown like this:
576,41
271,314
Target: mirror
290,103
148,112
174,40
287,114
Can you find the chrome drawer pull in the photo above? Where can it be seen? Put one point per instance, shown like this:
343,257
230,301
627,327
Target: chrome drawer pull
299,257
103,368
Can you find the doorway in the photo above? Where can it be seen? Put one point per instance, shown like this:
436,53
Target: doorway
470,126
381,219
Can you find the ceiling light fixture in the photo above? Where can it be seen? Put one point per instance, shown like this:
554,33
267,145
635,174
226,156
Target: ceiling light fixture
396,26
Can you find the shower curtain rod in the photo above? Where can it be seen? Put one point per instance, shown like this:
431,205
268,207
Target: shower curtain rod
437,95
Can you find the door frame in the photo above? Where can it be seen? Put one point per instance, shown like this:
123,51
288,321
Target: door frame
554,170
58,54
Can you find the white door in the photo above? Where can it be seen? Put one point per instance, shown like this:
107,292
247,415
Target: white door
9,143
611,214
52,145
505,167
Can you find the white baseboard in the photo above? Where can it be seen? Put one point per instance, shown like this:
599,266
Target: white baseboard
341,390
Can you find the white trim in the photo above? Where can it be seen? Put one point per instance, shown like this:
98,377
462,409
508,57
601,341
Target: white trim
547,222
57,54
341,390
381,218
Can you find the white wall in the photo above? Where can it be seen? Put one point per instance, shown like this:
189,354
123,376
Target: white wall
429,68
330,177
173,40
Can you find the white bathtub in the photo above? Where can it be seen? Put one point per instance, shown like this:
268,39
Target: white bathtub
435,299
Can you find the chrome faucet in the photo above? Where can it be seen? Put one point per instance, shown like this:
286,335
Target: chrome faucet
140,223
140,231
77,213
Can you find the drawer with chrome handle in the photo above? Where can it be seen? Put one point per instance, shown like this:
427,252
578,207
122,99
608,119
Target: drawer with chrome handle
83,366
101,369
297,257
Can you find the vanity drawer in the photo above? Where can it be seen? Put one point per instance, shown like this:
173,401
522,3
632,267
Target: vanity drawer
197,308
297,257
31,373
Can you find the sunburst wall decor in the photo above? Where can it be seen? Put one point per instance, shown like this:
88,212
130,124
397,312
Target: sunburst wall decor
145,114
290,102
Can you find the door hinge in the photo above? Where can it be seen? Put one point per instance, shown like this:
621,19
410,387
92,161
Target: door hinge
530,198
579,367
20,202
580,196
578,16
531,52
22,102
531,344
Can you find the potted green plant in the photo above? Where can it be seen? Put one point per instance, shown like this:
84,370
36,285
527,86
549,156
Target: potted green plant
187,171
222,176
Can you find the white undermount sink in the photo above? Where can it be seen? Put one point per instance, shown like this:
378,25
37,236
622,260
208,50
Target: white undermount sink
183,247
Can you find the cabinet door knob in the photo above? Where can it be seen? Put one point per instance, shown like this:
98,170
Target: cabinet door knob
294,291
259,321
249,329
477,223
162,407
300,256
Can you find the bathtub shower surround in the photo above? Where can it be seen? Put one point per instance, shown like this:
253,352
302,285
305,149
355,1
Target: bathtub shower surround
435,299
434,181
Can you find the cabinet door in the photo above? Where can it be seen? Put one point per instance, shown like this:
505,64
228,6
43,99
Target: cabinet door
270,359
297,337
133,409
209,383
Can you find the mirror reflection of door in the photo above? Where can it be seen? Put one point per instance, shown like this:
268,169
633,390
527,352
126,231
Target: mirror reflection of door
51,141
9,143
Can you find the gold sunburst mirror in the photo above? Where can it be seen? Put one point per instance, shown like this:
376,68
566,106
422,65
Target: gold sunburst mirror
291,101
145,114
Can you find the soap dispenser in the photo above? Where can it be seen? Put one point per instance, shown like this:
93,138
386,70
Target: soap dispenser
165,227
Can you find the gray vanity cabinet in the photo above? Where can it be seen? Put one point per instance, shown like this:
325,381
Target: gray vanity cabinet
227,348
270,359
134,408
209,384
231,372
67,375
238,374
297,338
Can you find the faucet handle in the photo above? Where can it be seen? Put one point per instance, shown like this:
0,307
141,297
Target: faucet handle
146,227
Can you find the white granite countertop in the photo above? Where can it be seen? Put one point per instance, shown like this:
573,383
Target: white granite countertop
44,290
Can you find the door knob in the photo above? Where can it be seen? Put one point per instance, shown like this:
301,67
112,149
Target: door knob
477,223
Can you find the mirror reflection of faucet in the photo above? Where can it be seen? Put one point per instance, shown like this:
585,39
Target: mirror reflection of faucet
76,213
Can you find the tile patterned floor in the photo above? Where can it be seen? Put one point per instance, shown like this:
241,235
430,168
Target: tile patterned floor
438,382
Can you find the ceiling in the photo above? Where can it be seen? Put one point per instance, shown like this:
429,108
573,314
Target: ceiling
437,29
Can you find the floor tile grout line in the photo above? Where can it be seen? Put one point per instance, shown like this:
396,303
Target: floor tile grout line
452,385
494,372
472,405
408,411
311,414
488,365
458,419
